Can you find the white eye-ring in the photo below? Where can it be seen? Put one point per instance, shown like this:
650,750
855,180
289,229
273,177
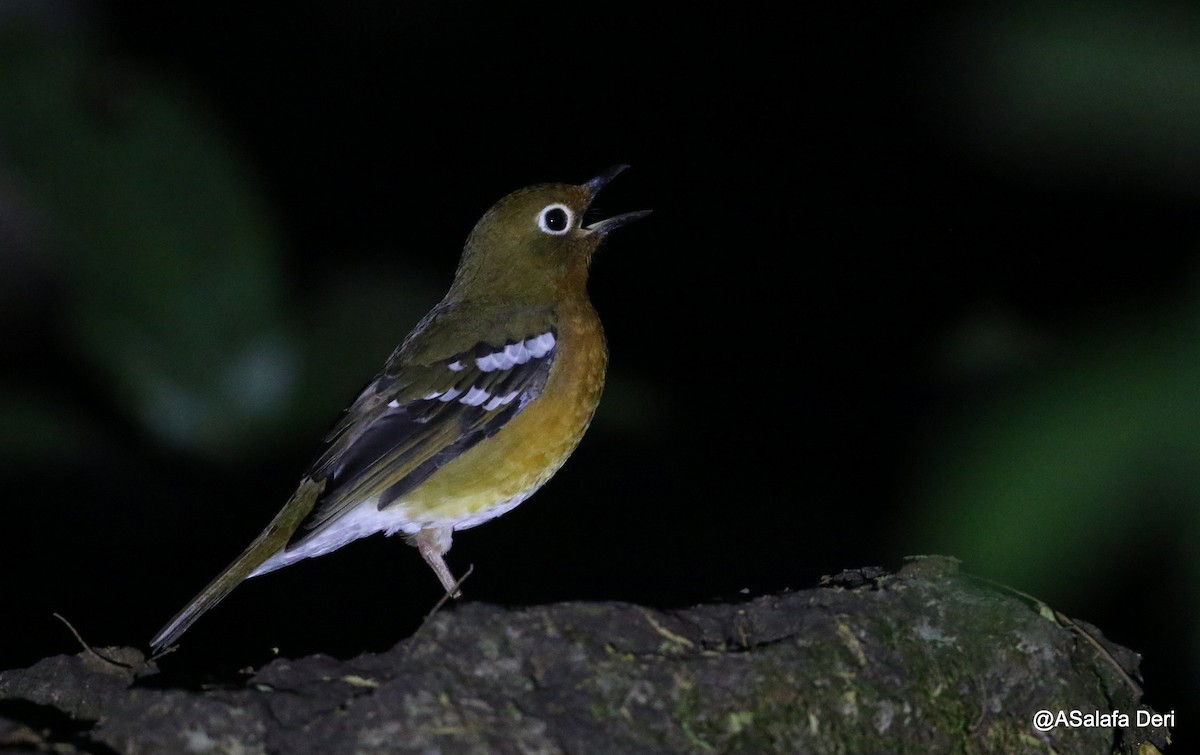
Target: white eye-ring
555,219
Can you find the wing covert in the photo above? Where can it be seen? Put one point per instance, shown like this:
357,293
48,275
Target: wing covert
409,422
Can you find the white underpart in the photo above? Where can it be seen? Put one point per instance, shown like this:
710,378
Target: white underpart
366,519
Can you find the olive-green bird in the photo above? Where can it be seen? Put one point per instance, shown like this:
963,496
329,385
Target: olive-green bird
476,409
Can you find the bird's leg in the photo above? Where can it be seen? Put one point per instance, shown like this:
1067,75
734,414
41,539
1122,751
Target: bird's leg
433,543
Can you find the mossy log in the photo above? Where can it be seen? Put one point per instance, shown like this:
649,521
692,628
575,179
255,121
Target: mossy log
923,660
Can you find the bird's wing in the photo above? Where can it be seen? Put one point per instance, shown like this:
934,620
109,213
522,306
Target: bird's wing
413,419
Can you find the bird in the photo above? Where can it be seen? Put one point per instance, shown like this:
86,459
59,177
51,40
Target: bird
473,412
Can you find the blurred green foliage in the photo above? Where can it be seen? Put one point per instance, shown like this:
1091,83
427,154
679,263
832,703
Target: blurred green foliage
170,265
1068,90
1094,442
1084,456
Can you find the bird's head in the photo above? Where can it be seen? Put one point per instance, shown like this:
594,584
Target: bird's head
533,242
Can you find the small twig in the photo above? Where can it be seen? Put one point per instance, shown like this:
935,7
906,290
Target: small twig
88,647
449,594
442,601
1065,621
437,607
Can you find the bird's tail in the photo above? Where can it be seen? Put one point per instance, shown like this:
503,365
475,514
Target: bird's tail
272,540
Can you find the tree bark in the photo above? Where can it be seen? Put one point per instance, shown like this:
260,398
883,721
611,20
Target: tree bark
923,660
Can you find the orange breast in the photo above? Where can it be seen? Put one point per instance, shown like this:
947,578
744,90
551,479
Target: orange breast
528,450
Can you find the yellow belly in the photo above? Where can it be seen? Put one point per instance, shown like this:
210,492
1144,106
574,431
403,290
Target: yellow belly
531,447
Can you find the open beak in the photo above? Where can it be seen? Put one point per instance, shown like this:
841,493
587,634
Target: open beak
594,186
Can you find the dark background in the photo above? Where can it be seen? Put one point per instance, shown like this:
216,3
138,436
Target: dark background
917,281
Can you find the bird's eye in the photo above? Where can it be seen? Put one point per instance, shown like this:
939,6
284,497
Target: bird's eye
555,219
